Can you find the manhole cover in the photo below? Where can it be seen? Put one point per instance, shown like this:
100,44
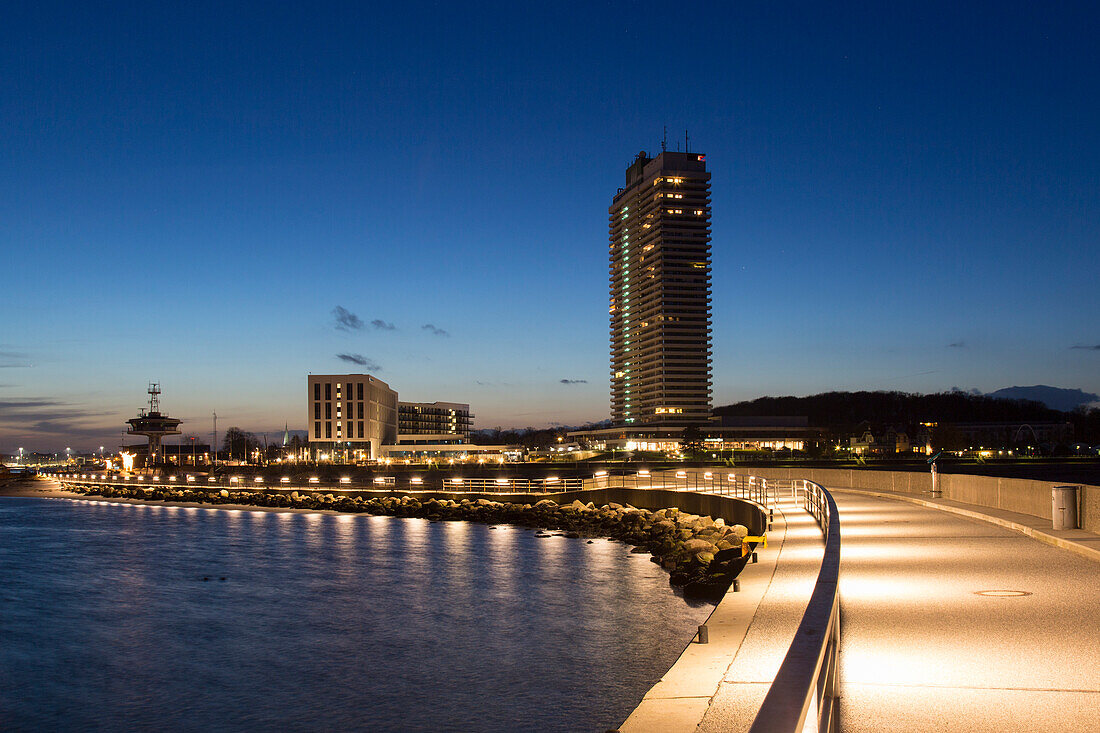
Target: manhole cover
1002,593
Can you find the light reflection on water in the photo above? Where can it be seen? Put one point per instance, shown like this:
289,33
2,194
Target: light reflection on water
115,616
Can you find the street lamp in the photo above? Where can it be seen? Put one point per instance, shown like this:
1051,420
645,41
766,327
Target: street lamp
20,456
68,454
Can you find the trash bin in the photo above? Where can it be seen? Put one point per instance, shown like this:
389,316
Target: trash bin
1064,506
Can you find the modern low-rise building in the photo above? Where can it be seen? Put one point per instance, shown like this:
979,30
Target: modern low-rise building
350,416
434,418
717,434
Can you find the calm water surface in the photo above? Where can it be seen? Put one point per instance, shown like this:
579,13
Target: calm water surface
321,622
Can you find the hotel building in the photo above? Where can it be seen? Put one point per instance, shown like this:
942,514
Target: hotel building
350,415
659,256
445,420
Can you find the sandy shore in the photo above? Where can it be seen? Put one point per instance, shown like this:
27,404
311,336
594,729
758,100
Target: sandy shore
36,487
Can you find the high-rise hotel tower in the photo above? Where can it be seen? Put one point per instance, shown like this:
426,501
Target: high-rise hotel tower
660,291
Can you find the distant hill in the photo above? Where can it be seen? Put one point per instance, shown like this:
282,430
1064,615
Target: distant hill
1056,398
845,411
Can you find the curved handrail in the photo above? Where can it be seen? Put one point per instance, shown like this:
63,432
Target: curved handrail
807,679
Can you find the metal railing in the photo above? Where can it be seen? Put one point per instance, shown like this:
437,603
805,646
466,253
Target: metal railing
803,696
727,483
454,484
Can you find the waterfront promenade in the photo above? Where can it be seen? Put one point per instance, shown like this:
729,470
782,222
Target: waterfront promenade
924,646
921,649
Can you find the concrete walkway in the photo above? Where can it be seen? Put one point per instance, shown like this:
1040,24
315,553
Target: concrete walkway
720,685
749,673
922,649
1086,544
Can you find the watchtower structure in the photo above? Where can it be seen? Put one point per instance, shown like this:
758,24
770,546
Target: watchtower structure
152,424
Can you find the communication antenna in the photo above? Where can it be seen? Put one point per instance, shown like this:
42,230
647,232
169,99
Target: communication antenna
687,142
664,139
154,397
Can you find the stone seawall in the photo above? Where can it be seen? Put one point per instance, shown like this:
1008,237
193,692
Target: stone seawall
702,553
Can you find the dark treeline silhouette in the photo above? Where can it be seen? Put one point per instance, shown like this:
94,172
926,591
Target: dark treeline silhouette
847,411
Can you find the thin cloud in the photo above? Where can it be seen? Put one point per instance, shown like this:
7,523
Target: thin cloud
433,330
380,325
36,409
1096,347
957,345
346,320
13,360
361,361
573,381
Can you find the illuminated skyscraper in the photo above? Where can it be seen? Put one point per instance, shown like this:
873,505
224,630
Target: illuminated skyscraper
660,291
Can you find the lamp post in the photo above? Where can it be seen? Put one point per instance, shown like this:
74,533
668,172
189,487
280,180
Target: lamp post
68,454
20,456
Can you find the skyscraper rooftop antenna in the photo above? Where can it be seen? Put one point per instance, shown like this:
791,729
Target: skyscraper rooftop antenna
687,142
664,139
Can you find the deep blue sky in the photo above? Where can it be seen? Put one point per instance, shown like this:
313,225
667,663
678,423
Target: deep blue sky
904,197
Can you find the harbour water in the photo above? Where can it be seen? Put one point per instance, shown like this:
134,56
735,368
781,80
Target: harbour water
118,616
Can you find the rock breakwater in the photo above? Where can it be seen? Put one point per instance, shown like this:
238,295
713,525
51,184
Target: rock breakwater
702,554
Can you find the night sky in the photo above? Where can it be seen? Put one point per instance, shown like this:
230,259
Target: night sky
225,197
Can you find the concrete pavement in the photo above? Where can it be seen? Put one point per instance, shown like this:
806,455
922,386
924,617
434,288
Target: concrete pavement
722,683
921,646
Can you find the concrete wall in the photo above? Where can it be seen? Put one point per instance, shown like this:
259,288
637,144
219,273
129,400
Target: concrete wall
1025,496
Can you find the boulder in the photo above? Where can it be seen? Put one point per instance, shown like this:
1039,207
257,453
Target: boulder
741,531
694,547
702,523
224,493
